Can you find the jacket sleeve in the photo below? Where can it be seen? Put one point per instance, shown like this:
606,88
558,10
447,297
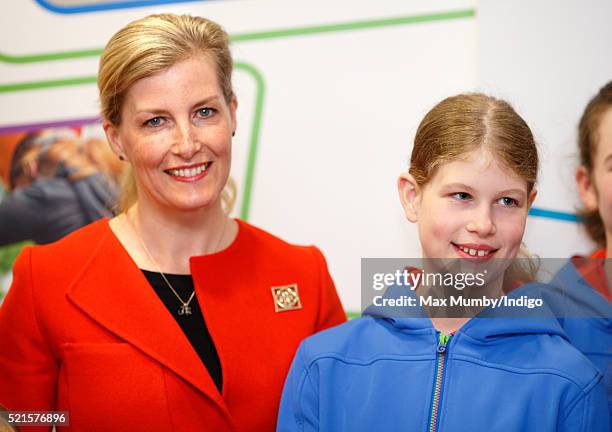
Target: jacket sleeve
23,215
589,413
28,368
331,312
300,400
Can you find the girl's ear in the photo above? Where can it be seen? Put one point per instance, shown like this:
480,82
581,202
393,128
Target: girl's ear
586,188
409,192
532,197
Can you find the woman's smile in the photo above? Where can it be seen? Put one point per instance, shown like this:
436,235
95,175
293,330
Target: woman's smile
189,173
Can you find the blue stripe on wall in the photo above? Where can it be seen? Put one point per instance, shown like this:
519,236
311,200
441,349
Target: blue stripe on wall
553,214
93,7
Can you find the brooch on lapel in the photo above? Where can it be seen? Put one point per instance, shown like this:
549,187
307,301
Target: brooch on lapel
286,298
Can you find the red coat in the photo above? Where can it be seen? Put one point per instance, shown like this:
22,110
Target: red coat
81,330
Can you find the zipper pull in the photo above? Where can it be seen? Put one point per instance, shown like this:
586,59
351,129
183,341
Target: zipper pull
442,342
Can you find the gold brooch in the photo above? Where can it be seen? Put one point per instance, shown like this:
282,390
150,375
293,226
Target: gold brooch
286,298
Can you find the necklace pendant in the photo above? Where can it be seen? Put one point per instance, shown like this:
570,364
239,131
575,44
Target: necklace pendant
184,310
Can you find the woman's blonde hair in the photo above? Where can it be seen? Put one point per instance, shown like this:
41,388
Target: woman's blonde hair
462,124
99,152
148,46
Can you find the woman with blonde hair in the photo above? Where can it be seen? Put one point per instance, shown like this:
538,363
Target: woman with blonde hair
172,315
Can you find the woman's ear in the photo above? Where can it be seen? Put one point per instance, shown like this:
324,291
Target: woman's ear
586,188
112,135
233,107
409,192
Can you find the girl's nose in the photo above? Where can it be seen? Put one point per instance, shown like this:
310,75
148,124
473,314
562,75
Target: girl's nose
481,222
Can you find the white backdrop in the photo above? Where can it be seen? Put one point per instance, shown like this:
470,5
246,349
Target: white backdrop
342,88
548,58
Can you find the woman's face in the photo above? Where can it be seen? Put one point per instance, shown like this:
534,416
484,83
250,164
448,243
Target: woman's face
176,130
596,187
474,208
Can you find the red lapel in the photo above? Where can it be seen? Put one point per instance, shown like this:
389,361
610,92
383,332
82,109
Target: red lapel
114,292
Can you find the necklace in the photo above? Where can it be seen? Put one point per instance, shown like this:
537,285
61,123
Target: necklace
185,308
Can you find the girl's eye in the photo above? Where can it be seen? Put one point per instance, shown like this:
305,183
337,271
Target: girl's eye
205,112
155,121
462,196
508,202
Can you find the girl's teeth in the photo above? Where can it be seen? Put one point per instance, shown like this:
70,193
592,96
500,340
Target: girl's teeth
474,252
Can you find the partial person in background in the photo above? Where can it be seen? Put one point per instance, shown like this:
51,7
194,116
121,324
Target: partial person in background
584,297
56,189
172,316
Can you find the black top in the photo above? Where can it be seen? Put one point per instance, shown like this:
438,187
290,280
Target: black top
193,325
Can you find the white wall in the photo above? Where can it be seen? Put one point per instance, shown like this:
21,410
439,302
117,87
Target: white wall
548,58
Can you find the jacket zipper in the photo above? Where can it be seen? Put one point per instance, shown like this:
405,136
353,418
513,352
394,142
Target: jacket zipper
440,365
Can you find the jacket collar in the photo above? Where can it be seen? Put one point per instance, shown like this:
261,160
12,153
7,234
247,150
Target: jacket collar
490,324
493,324
113,291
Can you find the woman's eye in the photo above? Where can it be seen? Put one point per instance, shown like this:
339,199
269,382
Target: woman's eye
508,202
155,121
462,196
205,112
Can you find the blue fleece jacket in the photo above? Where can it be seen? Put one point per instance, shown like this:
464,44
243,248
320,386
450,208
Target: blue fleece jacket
586,318
379,373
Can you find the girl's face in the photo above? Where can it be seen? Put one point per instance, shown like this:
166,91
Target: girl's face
474,208
596,187
176,130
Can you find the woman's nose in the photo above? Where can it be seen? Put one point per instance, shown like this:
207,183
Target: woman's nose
186,140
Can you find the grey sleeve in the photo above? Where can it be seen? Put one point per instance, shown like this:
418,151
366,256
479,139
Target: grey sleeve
23,214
